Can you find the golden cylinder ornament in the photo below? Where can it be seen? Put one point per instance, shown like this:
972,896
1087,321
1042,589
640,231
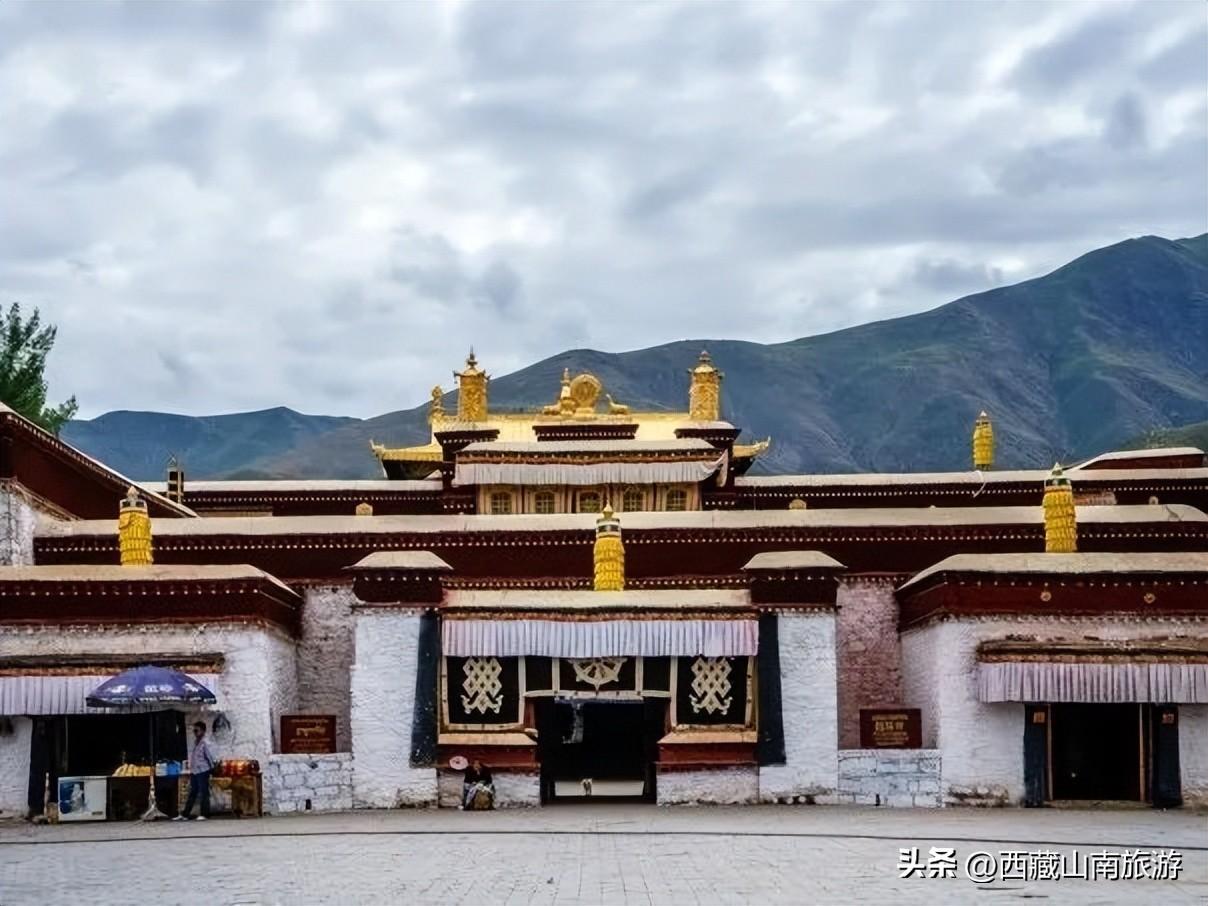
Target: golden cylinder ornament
704,393
609,553
983,443
134,530
1060,516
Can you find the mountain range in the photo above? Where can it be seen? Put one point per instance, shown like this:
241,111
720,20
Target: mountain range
1104,350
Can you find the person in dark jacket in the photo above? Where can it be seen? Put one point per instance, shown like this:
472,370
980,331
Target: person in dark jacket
478,790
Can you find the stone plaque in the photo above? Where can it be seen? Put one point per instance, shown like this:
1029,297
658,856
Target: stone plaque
308,734
891,728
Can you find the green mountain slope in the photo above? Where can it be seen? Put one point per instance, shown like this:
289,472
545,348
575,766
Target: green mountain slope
139,444
1106,348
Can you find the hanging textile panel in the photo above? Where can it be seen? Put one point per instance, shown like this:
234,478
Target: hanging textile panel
481,690
1088,681
712,691
568,473
599,638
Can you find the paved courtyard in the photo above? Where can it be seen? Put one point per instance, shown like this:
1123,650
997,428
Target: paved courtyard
591,854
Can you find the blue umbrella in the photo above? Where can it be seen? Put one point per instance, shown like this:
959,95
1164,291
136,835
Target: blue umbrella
150,685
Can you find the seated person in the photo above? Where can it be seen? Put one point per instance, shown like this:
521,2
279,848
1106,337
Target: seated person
478,792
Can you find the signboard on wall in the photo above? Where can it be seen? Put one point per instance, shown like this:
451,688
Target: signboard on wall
308,734
891,728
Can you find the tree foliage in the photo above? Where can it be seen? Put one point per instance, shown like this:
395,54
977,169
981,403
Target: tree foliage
25,344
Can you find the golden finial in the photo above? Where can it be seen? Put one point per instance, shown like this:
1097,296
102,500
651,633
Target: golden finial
471,391
704,394
609,552
1060,517
134,530
983,443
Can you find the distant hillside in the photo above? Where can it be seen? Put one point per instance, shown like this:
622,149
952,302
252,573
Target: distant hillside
1106,348
139,444
1195,435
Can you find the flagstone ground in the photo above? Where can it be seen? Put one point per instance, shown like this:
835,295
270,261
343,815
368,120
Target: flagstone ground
585,854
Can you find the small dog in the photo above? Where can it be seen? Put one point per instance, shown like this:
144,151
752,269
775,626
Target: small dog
586,786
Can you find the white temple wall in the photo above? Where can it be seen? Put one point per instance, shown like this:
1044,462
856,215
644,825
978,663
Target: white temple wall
1193,753
257,683
717,786
14,768
808,688
981,743
383,701
18,520
325,653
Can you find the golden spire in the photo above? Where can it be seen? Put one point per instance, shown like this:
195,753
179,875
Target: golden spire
1060,519
134,530
983,443
471,391
704,395
609,553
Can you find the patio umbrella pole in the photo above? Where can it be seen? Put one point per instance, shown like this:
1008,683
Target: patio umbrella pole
152,813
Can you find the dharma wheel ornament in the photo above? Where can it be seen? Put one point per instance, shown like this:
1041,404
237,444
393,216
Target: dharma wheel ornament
983,443
609,553
1060,520
134,530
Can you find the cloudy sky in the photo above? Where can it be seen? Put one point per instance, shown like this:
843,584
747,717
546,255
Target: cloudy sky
229,206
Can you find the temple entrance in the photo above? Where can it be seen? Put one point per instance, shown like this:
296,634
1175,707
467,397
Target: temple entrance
1098,751
598,749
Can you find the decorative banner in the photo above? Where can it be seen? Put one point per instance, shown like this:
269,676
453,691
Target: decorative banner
711,691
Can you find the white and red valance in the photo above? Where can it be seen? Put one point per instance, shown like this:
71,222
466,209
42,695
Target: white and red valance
681,471
1169,682
599,638
34,694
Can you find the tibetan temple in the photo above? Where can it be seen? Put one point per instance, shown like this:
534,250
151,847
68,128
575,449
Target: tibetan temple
597,602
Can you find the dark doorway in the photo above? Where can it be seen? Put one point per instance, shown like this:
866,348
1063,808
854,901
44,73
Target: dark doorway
1097,751
607,742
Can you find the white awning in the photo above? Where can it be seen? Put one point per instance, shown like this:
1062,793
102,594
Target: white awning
599,638
36,695
564,473
1087,681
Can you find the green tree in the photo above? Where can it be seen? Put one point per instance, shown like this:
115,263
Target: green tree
24,345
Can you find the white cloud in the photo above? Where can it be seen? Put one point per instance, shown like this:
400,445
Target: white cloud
230,206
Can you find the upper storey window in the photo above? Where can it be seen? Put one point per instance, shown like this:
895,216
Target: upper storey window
501,503
677,499
590,502
633,500
543,502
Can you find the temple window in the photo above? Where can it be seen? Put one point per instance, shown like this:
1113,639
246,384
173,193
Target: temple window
589,502
543,502
633,500
677,499
501,503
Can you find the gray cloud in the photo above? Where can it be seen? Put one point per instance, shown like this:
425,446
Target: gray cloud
233,205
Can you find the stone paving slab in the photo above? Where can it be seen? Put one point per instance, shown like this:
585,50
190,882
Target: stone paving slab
583,854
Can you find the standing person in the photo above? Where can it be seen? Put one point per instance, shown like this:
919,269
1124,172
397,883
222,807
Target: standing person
201,764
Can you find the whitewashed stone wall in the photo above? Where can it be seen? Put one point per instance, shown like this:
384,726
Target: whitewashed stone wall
810,711
18,520
301,783
383,700
14,768
325,652
257,685
721,786
1193,753
892,777
515,790
982,743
